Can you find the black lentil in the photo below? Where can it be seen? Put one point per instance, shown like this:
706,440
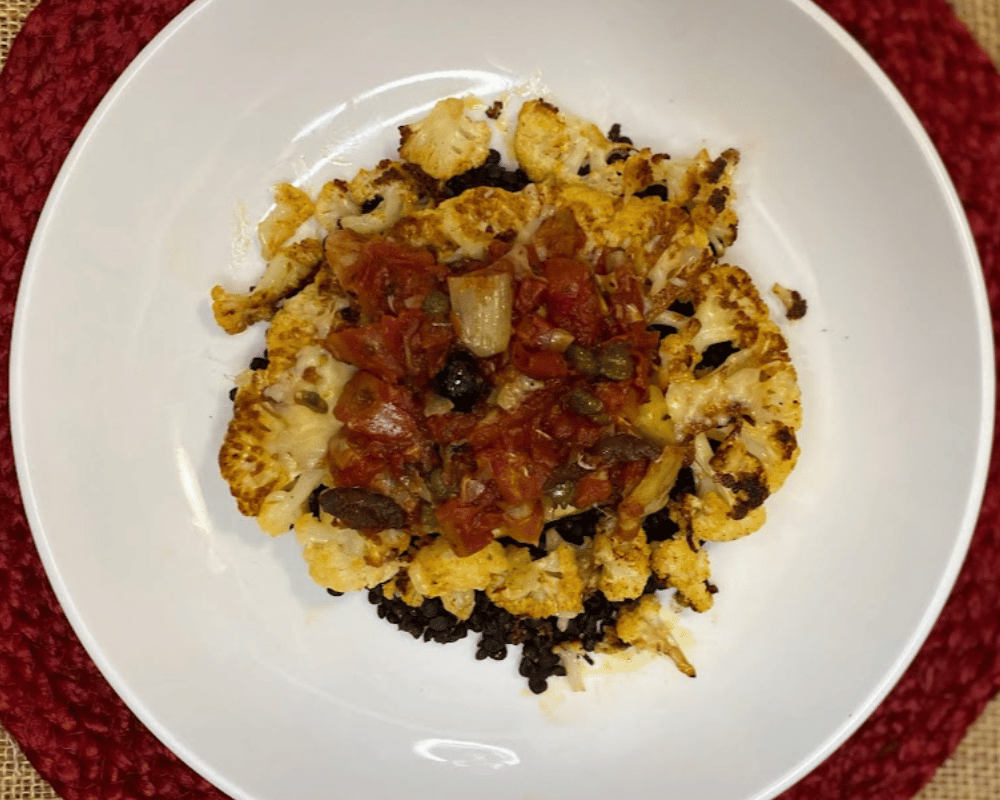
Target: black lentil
575,527
684,484
312,502
662,330
350,314
659,526
683,308
714,356
498,629
615,134
371,204
491,173
656,190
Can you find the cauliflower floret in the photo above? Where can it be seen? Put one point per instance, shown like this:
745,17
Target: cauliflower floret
643,627
282,507
794,303
446,142
465,226
292,207
652,492
383,196
247,464
726,376
287,271
685,569
334,202
345,560
436,571
553,146
283,414
624,564
541,588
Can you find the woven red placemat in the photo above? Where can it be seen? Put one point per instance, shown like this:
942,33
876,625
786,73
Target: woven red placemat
70,723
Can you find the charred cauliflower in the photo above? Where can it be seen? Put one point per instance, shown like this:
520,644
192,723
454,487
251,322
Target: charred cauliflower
446,142
522,400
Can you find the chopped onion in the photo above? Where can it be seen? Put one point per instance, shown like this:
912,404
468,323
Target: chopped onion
481,306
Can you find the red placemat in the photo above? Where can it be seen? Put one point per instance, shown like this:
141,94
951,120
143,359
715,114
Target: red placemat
70,723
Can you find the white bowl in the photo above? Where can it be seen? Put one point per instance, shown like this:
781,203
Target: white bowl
214,635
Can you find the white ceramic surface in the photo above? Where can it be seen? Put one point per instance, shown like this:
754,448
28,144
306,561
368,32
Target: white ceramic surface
213,633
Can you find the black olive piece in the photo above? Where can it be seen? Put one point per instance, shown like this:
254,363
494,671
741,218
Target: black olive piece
659,526
622,447
682,308
232,394
460,381
334,593
362,508
584,170
662,330
259,362
684,484
714,356
654,190
617,155
371,204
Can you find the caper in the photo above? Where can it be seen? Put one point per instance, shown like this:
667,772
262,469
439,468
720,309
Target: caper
439,490
583,402
562,494
436,304
561,485
616,362
312,400
582,359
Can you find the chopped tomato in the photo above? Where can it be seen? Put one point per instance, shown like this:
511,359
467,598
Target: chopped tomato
538,364
560,235
527,529
519,478
356,460
628,475
626,303
468,527
592,489
385,275
573,300
566,427
377,348
379,410
530,295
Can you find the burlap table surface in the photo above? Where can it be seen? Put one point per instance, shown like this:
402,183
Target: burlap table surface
971,773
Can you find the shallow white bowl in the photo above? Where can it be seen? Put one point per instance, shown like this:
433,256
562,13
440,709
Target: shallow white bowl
215,636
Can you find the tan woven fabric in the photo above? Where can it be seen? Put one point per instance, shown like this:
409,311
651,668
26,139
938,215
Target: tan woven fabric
972,773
